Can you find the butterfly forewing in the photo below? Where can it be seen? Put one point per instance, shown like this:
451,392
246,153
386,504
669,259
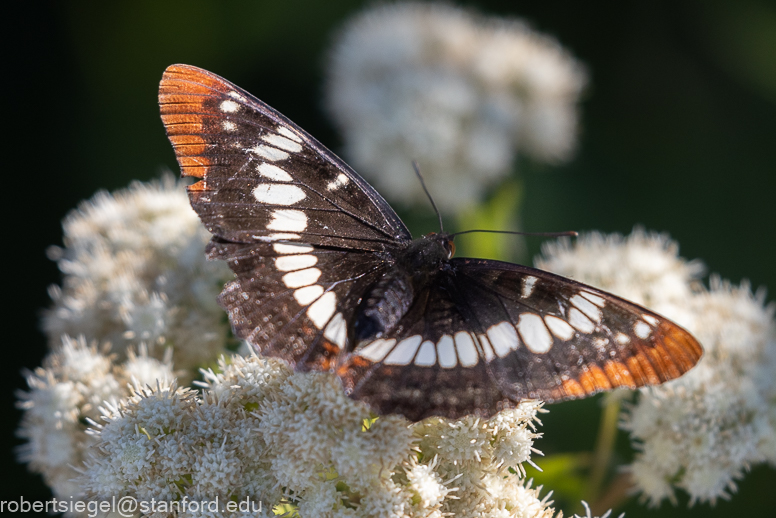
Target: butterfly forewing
552,338
262,177
508,332
328,278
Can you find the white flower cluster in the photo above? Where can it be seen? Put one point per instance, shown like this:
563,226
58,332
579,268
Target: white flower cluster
703,430
644,267
136,279
459,93
257,431
262,433
135,272
69,388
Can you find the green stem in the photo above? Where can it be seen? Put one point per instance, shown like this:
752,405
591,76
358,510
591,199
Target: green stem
604,448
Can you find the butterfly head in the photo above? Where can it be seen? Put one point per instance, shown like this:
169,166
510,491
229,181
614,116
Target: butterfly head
446,240
427,253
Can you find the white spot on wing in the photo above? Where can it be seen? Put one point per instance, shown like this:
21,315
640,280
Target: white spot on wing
534,333
288,263
276,237
503,337
291,248
308,294
403,353
622,338
377,350
278,193
337,331
301,278
229,106
528,286
649,319
486,347
559,327
235,95
282,142
341,181
426,355
288,133
269,153
274,172
587,307
446,352
595,299
580,322
288,220
229,126
642,330
322,309
467,352
279,237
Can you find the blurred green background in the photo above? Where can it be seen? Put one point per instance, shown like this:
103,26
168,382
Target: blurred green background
678,134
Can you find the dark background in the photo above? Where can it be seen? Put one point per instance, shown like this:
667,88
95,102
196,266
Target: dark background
679,127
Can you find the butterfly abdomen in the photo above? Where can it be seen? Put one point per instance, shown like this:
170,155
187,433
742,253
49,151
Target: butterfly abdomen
391,297
384,306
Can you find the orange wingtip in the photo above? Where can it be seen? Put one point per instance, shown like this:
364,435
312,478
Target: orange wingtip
675,353
183,92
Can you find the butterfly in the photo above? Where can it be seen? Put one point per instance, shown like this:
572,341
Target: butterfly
329,278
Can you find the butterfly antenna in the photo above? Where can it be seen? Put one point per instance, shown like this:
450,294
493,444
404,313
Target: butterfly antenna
570,233
423,184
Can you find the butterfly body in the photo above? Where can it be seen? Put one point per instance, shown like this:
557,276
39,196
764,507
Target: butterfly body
327,277
389,300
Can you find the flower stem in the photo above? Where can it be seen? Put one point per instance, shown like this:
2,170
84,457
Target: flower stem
604,448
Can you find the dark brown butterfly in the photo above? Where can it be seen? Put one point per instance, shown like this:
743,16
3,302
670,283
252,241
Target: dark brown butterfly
329,278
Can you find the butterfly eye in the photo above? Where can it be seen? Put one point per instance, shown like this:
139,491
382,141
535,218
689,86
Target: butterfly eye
450,247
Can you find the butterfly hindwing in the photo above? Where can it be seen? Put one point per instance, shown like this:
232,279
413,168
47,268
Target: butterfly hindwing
431,364
262,177
294,301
